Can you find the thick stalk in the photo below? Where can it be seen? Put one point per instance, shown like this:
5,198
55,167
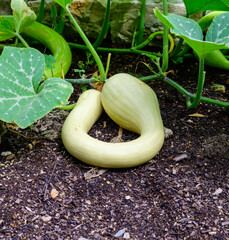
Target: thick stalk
141,24
88,44
165,60
105,26
177,48
193,103
41,11
22,40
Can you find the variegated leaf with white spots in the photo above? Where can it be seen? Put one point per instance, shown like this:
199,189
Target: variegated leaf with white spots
190,31
185,26
218,32
23,99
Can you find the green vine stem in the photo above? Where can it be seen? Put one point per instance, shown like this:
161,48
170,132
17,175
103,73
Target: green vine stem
41,11
22,40
114,50
141,24
177,48
67,107
81,81
151,37
89,45
58,26
105,27
165,59
192,103
184,91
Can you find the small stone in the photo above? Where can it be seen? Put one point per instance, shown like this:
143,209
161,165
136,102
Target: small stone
180,157
88,202
168,132
218,191
225,223
46,218
5,154
120,233
127,197
18,201
126,235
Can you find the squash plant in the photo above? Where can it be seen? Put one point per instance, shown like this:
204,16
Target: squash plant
135,109
23,23
24,97
216,39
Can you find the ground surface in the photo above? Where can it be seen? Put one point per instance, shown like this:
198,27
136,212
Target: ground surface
181,194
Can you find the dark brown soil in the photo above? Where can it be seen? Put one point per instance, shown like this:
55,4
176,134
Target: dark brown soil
180,194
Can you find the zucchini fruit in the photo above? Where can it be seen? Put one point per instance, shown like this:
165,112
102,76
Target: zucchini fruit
54,42
133,105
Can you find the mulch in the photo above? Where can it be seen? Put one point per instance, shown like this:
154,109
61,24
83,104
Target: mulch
182,193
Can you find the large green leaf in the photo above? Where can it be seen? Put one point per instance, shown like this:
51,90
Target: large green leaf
6,30
63,3
193,6
23,15
22,98
218,31
190,31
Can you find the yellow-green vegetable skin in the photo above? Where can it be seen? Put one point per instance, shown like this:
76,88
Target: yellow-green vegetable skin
130,103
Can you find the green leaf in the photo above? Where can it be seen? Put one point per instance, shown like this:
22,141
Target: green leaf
190,31
63,3
226,2
49,61
23,15
202,48
180,25
22,98
6,30
218,31
185,26
193,6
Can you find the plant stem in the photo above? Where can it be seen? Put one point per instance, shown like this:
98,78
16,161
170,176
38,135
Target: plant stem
201,78
108,63
151,37
67,107
141,24
22,40
105,26
88,44
41,11
185,92
165,59
177,48
115,50
81,81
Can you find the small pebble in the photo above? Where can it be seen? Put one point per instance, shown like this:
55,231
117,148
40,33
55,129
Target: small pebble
180,157
120,233
126,235
168,132
218,191
225,223
5,154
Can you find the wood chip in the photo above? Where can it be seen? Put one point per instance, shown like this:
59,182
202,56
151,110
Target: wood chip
196,115
46,218
54,193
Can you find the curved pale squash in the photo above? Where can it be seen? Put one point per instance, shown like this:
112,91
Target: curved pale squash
130,103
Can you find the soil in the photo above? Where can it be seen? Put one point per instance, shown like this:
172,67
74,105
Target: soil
182,193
